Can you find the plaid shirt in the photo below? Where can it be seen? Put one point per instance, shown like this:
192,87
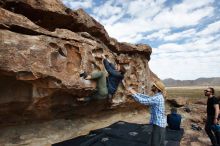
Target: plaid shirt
157,107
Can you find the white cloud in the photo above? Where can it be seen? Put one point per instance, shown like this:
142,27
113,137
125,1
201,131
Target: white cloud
189,60
146,16
181,18
186,36
78,4
136,15
112,19
211,28
180,35
107,10
160,34
185,68
171,46
144,8
188,5
197,45
124,31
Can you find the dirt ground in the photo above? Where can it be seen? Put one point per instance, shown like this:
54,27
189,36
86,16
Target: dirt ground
47,133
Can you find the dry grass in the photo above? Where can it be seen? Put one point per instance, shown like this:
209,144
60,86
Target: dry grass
193,92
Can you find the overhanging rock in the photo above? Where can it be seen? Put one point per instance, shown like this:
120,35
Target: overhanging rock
43,48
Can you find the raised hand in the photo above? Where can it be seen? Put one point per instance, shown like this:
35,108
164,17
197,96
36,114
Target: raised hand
131,90
103,56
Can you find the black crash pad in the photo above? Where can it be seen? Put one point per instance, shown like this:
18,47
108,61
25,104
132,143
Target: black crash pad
122,134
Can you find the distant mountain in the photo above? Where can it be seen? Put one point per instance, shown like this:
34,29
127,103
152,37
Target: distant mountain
215,81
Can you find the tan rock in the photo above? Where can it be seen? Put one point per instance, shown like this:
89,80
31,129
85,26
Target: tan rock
43,48
178,102
201,101
195,144
196,118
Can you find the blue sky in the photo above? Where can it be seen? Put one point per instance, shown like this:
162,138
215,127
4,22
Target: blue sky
184,34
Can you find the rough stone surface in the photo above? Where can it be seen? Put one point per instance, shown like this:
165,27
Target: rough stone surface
178,101
43,48
201,101
197,116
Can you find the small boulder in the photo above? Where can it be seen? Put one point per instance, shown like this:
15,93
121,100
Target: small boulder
177,102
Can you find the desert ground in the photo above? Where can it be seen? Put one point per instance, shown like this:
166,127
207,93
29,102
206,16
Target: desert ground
47,133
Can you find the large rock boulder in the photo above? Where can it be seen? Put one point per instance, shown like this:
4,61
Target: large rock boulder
43,48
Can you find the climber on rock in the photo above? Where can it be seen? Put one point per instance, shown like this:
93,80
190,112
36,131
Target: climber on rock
105,86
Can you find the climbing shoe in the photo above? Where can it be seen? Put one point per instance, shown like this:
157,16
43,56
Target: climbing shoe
84,74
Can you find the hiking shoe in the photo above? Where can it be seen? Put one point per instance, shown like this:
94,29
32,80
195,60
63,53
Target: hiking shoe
84,74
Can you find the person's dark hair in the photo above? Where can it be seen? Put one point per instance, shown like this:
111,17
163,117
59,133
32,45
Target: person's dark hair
122,69
173,110
212,90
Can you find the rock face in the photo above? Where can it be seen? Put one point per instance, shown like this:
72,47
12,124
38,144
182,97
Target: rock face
43,48
178,101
